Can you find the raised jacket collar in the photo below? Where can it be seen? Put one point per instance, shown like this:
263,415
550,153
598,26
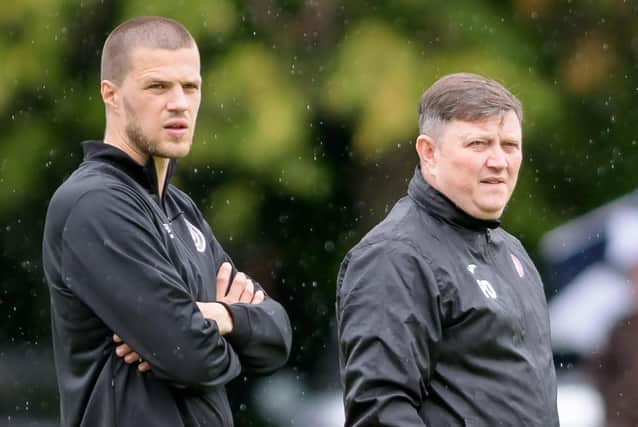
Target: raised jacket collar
144,175
439,206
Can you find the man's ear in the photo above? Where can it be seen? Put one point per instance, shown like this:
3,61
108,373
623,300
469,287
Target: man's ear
110,94
427,150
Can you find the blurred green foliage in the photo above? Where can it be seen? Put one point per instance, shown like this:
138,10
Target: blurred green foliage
305,132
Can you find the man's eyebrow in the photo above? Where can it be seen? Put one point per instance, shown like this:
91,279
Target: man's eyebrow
156,79
152,78
512,139
476,134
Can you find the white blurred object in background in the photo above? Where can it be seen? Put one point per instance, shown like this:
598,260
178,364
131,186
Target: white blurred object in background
285,399
579,405
583,314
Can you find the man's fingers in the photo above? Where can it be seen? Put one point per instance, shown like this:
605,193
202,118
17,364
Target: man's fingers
122,350
132,357
126,352
248,293
258,298
241,289
223,279
236,289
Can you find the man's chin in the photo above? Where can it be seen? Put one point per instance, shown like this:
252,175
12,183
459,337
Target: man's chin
173,150
491,212
489,209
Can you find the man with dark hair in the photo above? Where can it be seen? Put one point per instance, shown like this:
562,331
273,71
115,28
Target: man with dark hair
150,319
441,314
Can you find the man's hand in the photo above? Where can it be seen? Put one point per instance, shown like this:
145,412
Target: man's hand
129,355
218,313
241,290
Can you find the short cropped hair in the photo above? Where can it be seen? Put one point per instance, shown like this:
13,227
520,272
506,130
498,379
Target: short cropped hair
464,96
154,32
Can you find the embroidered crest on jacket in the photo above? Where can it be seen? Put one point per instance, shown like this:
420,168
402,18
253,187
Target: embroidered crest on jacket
197,236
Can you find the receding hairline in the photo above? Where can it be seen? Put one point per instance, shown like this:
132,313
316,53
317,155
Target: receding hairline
151,32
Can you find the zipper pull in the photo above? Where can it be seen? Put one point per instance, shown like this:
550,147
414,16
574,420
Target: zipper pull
488,235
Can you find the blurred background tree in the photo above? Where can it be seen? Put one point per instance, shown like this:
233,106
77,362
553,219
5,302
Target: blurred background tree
305,137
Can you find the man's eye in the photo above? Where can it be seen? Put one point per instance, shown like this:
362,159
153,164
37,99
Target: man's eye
477,142
156,86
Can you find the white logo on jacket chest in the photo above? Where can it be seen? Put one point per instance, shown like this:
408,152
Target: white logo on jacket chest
485,286
197,236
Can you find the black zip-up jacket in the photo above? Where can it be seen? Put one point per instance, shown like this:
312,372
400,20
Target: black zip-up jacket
120,259
442,322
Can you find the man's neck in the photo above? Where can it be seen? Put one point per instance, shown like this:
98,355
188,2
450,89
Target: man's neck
160,163
119,140
161,169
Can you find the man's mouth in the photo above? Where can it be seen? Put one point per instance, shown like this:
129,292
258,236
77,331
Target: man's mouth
493,180
176,128
176,124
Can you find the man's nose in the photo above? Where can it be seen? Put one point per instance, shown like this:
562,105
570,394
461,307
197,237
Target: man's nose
178,100
497,157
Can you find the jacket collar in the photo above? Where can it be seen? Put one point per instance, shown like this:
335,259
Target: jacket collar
145,175
439,206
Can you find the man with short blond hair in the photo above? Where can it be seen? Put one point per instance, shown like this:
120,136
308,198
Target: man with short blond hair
150,318
441,314
151,32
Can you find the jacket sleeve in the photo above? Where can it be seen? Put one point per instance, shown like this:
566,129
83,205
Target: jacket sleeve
388,325
113,259
261,336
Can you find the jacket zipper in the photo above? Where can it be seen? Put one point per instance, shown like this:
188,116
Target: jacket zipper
516,298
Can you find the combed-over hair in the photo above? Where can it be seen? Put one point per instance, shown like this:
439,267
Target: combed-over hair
464,96
154,32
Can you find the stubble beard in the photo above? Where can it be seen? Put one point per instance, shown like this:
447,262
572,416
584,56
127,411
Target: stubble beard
135,133
142,142
136,136
151,147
